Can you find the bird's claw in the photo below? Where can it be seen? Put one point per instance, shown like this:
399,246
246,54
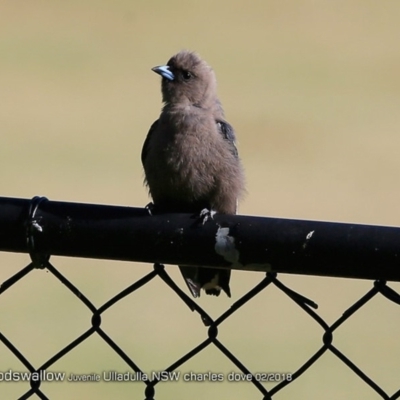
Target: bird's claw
206,214
150,208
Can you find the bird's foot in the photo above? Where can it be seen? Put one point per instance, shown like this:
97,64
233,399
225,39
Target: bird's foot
206,214
150,208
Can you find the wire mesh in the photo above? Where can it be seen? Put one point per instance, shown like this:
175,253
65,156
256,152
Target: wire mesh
38,373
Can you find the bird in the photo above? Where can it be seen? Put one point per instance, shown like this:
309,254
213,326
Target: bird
190,158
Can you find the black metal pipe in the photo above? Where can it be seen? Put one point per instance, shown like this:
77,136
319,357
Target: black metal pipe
237,242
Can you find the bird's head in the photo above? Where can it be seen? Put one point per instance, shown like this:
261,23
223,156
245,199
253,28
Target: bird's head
187,80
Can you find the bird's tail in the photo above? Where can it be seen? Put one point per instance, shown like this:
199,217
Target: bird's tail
212,280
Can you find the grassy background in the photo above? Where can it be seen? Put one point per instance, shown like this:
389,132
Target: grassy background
313,90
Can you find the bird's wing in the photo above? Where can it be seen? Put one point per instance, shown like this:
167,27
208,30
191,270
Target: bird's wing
228,134
146,143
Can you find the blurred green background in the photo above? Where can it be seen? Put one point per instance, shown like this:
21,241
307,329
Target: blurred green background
313,90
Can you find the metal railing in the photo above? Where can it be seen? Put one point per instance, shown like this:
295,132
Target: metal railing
46,228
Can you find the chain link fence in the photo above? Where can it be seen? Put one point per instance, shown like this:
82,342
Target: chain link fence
22,226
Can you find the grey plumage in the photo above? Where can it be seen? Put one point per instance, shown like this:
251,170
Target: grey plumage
190,157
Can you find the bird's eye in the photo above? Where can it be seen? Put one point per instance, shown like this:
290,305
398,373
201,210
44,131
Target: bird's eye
186,75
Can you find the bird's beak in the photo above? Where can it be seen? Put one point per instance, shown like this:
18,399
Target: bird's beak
164,71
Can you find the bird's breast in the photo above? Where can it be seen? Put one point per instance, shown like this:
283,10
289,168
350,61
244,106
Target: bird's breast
182,163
